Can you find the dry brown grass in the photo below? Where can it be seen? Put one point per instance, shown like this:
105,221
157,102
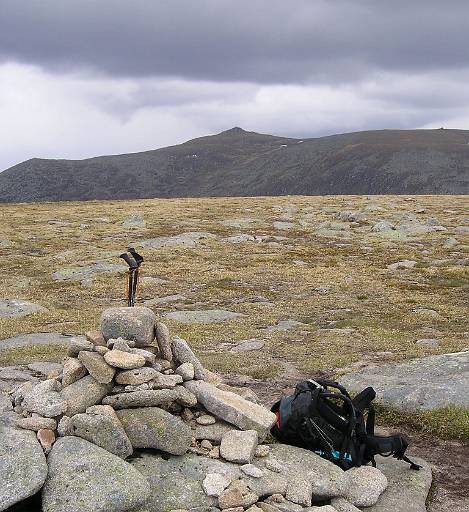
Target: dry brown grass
217,275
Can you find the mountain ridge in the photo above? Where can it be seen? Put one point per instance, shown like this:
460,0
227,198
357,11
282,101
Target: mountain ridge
236,162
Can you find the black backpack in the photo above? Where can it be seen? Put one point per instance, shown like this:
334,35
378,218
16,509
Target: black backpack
322,417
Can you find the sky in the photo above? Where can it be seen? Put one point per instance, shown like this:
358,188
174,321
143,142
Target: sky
81,78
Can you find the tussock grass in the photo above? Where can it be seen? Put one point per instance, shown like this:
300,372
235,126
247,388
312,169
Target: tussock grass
447,423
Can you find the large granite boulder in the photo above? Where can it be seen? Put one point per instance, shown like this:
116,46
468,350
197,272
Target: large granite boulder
136,324
427,383
152,427
177,483
23,467
86,478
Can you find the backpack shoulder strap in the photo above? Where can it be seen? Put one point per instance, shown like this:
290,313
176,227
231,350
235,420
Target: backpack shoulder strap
386,446
363,400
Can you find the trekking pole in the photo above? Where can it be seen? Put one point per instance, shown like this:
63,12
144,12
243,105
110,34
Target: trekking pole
136,278
130,289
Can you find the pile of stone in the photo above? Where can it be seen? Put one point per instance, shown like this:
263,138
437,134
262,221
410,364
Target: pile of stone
130,388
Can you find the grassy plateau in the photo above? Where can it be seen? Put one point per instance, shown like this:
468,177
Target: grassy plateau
333,278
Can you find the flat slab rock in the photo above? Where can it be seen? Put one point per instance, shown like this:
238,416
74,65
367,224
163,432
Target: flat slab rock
23,467
285,325
231,407
189,239
248,345
177,483
407,489
427,383
15,308
208,316
87,271
38,338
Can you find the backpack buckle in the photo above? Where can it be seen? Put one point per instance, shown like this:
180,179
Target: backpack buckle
315,383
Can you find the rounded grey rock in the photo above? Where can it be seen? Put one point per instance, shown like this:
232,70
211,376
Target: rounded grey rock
124,360
183,354
136,376
136,324
97,366
86,478
23,467
186,371
73,370
36,423
79,344
205,419
364,486
44,399
104,430
82,394
151,427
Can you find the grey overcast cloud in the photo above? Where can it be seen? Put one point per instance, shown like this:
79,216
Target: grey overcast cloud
81,78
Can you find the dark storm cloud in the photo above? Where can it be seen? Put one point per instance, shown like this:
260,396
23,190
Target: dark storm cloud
262,41
80,78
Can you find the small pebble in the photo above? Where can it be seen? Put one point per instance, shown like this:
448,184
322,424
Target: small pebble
205,419
47,438
251,470
187,414
206,444
262,450
273,465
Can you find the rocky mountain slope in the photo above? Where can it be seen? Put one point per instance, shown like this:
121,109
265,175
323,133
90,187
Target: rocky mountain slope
240,163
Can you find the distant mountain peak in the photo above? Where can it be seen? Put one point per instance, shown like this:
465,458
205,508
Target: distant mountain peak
239,163
236,130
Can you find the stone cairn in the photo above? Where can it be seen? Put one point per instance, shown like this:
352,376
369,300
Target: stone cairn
131,386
